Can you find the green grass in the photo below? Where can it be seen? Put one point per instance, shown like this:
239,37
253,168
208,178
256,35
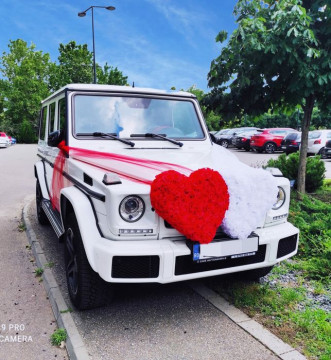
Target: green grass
284,307
58,336
39,271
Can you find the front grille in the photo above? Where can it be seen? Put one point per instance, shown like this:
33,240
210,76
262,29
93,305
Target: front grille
135,267
287,245
185,264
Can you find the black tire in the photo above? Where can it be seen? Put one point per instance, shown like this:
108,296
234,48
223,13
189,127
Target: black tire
247,149
224,143
270,148
86,289
322,153
255,274
42,217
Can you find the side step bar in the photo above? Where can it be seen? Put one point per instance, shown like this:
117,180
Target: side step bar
53,217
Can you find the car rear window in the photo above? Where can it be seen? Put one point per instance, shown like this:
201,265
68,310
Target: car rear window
292,136
314,134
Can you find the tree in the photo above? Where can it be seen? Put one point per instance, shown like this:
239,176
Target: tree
74,66
25,74
278,57
110,75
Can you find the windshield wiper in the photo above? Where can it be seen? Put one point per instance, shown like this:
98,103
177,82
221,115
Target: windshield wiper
109,136
152,135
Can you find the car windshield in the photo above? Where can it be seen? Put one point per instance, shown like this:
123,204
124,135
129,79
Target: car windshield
124,116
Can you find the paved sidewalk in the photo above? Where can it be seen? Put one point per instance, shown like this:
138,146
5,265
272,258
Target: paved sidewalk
26,317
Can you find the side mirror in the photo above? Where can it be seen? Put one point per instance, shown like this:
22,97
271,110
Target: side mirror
54,138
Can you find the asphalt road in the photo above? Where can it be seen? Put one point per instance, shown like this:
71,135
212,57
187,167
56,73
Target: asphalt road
142,322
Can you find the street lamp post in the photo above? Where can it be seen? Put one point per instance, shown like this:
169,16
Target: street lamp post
82,14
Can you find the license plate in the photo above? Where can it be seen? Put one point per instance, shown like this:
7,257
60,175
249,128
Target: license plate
329,151
222,249
284,147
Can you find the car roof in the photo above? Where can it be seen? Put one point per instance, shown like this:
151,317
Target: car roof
120,89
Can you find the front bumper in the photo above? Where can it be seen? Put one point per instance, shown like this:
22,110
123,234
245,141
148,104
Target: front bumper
166,261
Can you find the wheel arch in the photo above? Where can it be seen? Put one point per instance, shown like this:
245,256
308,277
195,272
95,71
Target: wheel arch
39,173
75,201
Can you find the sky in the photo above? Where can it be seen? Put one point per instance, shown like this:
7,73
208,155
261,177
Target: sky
156,43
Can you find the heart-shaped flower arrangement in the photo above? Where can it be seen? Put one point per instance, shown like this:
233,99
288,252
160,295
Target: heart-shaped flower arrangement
194,205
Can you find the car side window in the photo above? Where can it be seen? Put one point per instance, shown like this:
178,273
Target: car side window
43,120
328,135
62,111
51,118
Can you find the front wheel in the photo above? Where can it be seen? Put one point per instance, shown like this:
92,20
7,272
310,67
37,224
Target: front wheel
224,143
86,289
270,148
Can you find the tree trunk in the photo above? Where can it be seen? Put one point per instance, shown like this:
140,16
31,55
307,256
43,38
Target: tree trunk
308,110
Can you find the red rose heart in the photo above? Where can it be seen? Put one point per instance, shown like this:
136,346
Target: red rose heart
193,205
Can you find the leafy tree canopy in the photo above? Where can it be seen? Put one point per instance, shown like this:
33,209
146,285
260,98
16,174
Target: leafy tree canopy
25,74
278,57
74,65
110,75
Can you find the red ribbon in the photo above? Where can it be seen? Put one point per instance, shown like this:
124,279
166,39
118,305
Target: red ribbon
127,167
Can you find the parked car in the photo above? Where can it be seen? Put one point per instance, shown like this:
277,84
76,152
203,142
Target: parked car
291,142
219,135
4,140
317,140
269,140
327,149
243,139
225,139
128,201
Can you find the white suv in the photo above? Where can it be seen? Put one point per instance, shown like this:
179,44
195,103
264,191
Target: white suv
132,183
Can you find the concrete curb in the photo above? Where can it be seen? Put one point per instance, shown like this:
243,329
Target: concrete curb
264,336
74,343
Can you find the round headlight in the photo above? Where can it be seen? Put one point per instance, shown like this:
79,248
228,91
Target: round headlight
132,208
281,197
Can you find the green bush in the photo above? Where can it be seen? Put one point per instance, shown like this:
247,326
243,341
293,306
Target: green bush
289,166
313,218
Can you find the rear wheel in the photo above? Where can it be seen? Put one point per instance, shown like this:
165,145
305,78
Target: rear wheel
322,153
270,148
42,217
86,289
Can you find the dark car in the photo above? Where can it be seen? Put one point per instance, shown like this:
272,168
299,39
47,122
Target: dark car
327,149
291,142
269,140
222,137
243,139
225,139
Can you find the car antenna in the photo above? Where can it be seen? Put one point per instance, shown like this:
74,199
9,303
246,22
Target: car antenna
133,84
